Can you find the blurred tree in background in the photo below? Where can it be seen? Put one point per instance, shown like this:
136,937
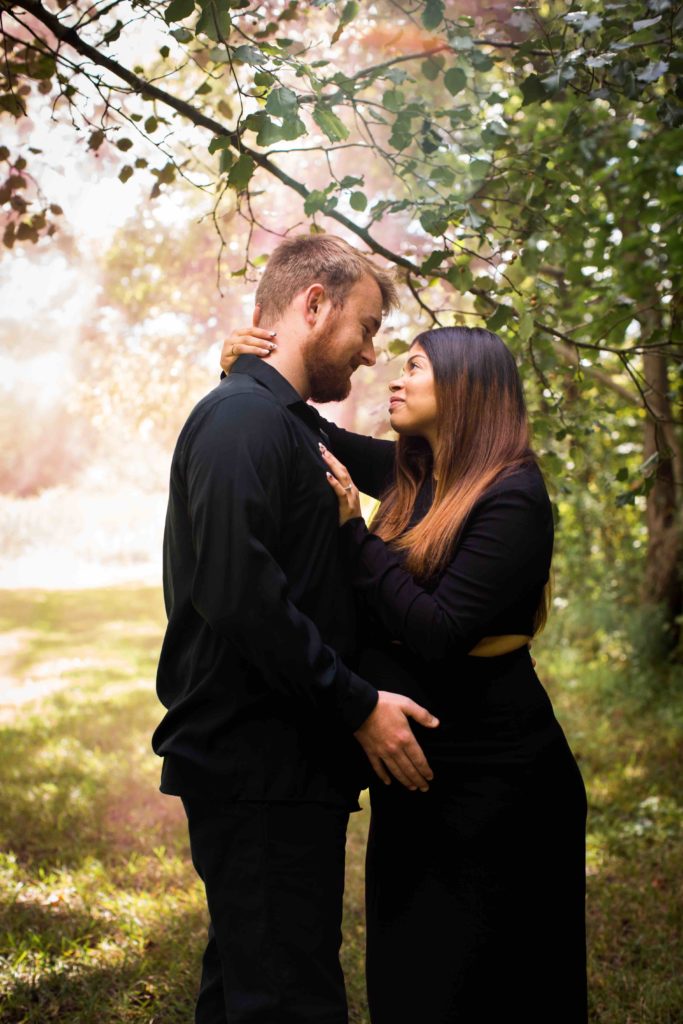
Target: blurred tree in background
519,164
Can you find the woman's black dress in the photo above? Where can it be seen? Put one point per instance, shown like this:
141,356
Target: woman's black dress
475,890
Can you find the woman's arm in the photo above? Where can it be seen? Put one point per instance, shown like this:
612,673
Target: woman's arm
504,553
370,460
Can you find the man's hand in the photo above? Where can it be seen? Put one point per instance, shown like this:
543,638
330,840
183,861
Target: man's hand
389,743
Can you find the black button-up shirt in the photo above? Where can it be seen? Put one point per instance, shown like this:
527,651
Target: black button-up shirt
260,704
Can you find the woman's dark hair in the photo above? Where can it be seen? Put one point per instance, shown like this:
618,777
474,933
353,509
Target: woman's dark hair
483,433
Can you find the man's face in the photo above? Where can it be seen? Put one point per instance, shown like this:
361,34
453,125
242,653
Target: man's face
342,341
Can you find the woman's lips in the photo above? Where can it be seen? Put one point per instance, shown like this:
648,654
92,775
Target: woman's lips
395,401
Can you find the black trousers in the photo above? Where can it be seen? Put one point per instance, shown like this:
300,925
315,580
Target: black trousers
274,879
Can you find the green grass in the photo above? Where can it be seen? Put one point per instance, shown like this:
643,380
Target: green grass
102,919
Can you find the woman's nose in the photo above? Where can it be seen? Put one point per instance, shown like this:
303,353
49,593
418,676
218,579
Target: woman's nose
394,385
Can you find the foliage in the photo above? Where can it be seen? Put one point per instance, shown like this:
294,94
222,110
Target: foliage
521,173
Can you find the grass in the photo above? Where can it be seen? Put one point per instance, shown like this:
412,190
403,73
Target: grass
102,919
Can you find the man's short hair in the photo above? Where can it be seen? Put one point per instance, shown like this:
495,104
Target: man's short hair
304,260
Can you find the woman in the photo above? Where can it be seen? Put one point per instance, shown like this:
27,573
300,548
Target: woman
475,889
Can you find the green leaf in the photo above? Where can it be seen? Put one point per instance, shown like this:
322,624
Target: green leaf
358,201
654,70
434,260
444,175
460,278
462,41
479,168
348,181
432,67
481,61
214,21
393,99
219,142
248,55
525,327
333,127
533,90
113,34
293,128
166,174
124,145
432,16
96,139
125,173
350,11
646,23
182,35
434,222
559,77
282,103
178,10
583,22
227,159
397,346
455,80
500,317
151,125
241,172
269,133
622,474
315,201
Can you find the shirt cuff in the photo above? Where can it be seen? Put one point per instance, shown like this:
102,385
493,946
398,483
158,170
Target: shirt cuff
353,532
359,702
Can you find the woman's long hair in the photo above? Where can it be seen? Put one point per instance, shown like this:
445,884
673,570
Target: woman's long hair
483,433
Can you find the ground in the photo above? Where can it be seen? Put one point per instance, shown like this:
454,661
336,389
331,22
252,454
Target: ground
102,920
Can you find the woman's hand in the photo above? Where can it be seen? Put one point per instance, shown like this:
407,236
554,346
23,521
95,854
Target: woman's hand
343,486
254,340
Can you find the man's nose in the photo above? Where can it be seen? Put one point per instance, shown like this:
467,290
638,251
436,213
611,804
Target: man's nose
368,354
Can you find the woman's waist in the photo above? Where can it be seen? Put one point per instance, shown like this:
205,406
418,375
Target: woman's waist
463,686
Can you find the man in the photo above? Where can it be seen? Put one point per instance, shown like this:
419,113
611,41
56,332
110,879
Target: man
266,725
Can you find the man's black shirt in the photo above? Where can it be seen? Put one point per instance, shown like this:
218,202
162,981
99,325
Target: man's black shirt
260,704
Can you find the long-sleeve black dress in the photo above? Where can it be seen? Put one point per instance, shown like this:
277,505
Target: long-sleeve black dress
475,890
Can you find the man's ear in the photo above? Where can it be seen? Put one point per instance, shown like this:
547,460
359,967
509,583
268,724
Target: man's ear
313,301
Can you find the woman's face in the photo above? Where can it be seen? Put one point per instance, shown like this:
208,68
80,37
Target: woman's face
412,403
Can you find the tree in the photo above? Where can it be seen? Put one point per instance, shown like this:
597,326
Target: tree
522,173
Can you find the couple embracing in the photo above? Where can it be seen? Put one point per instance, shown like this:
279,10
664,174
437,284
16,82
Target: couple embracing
309,655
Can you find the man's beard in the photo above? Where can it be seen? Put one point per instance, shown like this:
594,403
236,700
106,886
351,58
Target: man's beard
328,380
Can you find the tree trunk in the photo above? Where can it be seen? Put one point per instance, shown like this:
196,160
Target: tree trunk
662,579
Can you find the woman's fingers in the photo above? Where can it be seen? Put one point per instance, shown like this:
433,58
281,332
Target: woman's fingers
338,489
247,341
338,468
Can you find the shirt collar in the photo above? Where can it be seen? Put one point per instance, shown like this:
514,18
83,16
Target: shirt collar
266,374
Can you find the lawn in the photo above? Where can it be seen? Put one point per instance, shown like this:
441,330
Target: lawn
102,919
